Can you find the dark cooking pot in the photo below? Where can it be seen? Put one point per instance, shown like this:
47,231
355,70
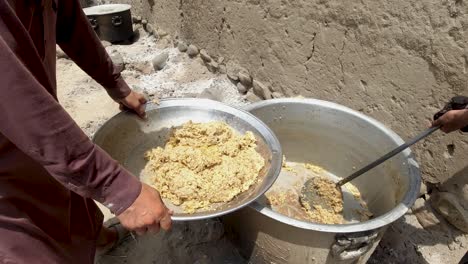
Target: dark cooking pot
111,22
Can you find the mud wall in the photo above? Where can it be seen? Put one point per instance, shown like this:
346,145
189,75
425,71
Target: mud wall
397,61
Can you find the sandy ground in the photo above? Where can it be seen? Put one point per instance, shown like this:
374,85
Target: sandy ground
205,241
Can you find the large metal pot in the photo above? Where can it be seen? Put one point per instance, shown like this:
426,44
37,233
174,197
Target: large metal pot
111,22
337,139
127,138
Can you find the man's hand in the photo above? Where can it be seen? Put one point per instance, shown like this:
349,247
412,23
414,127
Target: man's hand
135,102
147,214
452,120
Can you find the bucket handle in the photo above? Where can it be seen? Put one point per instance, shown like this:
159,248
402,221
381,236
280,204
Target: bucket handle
117,21
93,22
353,246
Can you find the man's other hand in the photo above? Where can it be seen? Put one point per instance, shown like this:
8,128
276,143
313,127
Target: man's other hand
135,102
452,120
147,214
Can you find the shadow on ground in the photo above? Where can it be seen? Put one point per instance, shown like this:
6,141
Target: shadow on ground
188,242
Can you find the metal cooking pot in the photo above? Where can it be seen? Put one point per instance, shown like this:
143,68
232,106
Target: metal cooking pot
337,139
111,22
127,138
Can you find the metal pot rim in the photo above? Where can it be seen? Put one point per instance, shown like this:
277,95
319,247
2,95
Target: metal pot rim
378,222
106,9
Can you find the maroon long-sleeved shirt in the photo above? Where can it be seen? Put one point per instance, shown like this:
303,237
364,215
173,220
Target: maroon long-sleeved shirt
49,170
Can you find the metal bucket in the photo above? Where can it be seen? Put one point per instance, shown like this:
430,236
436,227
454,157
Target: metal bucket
112,22
337,139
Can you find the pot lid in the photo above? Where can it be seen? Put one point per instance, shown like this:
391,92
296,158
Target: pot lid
106,9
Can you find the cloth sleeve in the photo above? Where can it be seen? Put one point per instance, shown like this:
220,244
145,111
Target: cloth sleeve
36,123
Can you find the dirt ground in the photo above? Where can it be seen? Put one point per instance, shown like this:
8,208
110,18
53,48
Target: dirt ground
205,241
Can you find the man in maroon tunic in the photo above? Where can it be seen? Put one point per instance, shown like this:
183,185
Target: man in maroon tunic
50,171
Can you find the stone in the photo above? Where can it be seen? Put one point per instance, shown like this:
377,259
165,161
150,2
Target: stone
136,19
143,67
277,95
162,33
432,254
424,214
144,22
458,186
232,76
160,60
241,88
452,247
192,50
222,69
245,79
232,71
212,66
149,28
220,60
423,189
251,97
118,61
261,90
204,55
212,93
60,54
182,47
164,43
448,206
106,44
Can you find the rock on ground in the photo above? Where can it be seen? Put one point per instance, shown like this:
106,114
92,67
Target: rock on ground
447,204
149,28
232,70
192,51
252,97
136,19
159,61
245,79
425,215
277,95
118,61
241,88
212,66
261,90
182,47
204,55
212,93
141,67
